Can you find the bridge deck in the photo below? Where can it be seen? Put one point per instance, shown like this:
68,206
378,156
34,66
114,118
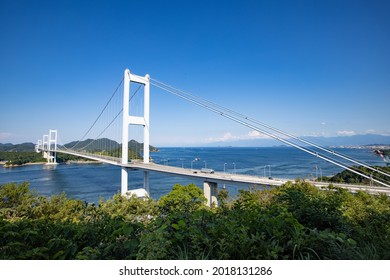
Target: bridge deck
220,177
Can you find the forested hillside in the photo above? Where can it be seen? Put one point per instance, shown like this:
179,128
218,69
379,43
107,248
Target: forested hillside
19,154
24,147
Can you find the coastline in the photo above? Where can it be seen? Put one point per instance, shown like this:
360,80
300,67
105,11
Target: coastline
20,165
3,163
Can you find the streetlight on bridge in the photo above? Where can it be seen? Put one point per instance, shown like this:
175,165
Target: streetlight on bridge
269,168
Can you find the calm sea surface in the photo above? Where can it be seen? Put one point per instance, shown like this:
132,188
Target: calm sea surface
89,182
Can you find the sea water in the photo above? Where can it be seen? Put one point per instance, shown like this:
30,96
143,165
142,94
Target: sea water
90,182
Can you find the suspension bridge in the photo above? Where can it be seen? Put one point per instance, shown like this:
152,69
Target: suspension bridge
127,113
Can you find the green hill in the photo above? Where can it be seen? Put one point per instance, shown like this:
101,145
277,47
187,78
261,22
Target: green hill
23,153
90,145
24,147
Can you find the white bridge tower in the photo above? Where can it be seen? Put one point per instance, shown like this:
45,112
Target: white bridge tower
48,146
134,120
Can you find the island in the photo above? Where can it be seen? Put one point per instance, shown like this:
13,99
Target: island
24,154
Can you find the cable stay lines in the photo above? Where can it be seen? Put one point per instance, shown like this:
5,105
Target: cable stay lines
98,117
330,156
109,123
99,138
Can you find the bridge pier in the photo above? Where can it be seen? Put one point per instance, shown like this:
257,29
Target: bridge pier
124,181
210,190
52,158
146,181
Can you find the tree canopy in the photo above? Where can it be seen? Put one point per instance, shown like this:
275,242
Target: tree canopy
294,221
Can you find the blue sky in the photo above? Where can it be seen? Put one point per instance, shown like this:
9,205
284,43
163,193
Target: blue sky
311,68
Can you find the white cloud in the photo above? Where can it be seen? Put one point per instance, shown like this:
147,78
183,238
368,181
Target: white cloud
370,131
315,134
346,133
228,136
374,131
255,134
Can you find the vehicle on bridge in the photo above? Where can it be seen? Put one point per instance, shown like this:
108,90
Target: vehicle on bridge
207,170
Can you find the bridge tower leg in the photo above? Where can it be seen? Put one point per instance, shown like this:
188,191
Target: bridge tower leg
52,147
48,145
45,147
210,190
134,120
38,146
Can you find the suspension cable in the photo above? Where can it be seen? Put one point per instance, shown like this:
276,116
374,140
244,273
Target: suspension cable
112,121
272,128
108,102
237,120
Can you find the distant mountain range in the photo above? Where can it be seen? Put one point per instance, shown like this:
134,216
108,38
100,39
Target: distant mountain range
88,145
24,147
355,140
91,145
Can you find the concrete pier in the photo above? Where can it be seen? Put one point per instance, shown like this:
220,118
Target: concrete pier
210,190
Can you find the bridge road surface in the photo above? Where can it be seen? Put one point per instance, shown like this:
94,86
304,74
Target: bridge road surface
221,177
227,178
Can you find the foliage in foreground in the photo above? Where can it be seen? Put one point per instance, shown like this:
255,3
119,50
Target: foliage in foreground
294,221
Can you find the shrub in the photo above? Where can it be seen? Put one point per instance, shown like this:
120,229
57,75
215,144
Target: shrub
182,198
294,221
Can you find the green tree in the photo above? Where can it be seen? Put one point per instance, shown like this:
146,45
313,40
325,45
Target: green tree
293,221
182,198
